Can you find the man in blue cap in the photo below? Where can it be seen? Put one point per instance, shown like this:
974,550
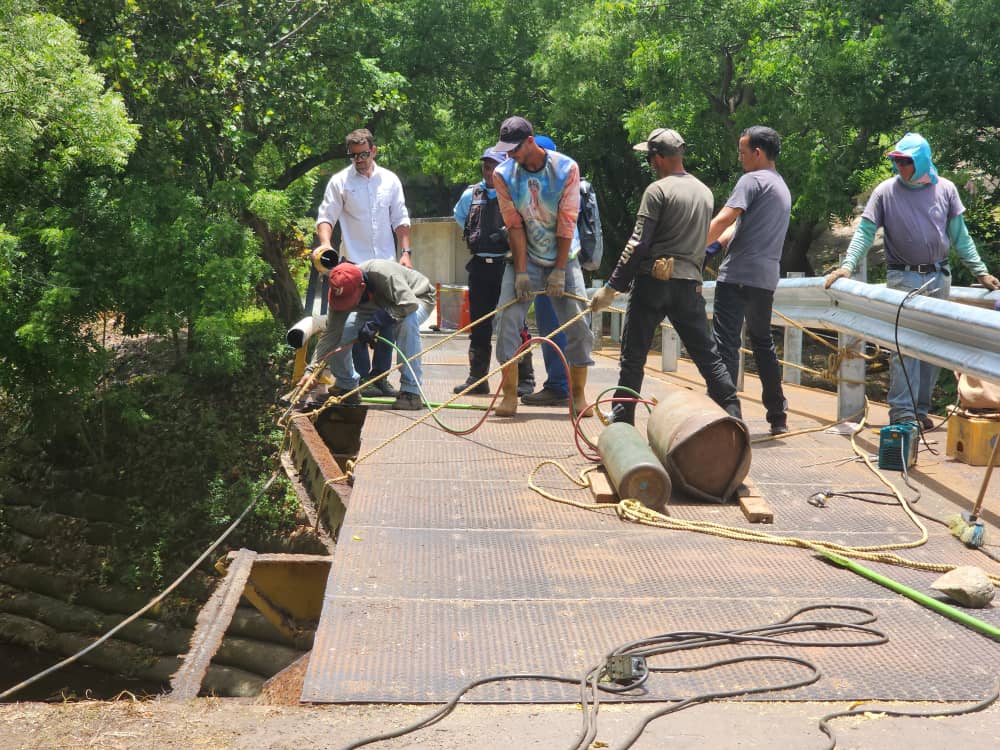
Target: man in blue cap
539,194
555,389
921,215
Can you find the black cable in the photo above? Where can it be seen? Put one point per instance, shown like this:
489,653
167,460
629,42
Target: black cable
899,353
824,723
591,685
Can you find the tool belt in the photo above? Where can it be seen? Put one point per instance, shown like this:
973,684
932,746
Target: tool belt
663,269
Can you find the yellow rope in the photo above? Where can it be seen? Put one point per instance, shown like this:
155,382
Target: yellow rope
630,509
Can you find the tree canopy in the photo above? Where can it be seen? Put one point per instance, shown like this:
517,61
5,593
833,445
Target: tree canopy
160,162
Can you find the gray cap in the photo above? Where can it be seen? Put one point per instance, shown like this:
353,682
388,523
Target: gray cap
498,156
662,140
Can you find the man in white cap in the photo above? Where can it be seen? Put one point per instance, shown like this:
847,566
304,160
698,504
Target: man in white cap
662,263
921,215
539,195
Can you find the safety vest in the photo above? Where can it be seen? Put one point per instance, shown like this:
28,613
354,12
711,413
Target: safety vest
484,231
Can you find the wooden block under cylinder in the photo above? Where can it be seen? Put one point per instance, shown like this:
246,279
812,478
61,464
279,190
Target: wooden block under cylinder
632,467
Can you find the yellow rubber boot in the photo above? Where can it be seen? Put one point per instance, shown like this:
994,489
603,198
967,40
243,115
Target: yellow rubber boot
508,404
578,375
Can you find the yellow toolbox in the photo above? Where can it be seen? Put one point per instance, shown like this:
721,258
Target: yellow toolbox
970,439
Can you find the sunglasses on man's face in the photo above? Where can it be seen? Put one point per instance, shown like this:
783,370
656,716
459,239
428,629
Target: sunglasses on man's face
902,160
358,155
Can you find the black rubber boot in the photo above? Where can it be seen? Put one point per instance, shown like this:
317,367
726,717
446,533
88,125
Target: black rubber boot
525,376
479,365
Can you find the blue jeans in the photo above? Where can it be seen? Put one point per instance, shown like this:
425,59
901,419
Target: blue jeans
579,337
380,359
922,375
555,373
733,304
407,339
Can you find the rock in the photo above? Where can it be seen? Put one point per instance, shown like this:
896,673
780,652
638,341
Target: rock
967,585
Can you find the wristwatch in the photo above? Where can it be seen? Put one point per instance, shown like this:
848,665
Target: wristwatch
408,250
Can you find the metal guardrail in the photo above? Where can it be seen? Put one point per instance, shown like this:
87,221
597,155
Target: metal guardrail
961,333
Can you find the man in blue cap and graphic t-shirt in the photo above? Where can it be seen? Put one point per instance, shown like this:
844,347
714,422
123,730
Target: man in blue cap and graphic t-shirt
539,194
921,215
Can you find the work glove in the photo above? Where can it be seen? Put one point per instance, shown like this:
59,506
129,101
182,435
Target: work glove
713,248
602,298
556,284
522,286
381,319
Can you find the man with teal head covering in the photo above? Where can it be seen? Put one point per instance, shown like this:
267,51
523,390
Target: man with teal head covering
921,215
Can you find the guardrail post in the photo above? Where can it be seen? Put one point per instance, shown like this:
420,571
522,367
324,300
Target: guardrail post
670,348
616,327
596,319
792,350
851,383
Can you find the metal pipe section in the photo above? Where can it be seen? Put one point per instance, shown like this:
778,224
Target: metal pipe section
960,336
634,470
300,333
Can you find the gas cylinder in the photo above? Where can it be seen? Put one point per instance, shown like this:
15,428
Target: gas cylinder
634,470
705,451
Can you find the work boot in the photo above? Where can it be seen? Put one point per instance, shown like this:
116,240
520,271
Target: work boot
545,397
525,375
380,389
578,378
479,365
407,401
779,426
508,405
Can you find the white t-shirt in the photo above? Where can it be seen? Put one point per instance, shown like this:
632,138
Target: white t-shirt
368,209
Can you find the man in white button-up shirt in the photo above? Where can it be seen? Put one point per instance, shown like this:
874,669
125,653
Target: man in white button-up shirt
368,202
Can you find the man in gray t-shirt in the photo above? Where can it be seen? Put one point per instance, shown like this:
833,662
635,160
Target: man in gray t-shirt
752,225
662,264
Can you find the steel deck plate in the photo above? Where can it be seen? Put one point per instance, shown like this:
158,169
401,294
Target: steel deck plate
449,569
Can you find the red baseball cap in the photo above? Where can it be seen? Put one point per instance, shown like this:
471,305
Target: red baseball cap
347,284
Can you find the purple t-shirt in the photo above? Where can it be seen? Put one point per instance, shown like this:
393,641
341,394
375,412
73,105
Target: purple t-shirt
754,254
915,219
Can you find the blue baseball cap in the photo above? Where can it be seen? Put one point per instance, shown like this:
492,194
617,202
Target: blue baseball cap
545,142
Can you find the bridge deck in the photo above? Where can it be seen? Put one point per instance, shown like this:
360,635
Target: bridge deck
449,568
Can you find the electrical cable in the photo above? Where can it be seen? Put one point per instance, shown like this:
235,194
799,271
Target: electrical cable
594,681
824,723
902,366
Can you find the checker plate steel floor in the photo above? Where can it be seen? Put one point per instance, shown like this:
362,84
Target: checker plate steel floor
449,568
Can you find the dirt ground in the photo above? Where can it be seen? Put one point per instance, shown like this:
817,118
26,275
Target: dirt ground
232,724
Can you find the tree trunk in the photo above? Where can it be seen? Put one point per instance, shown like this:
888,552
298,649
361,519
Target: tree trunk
280,295
795,254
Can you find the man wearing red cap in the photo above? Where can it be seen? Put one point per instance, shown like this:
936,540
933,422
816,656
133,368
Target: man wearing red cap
365,299
921,215
539,195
